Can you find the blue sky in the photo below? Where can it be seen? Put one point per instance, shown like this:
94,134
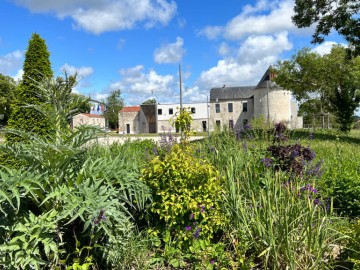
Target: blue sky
137,45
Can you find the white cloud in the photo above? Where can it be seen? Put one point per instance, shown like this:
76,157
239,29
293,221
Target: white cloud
246,67
224,49
100,97
211,32
81,71
325,47
139,85
256,48
250,22
11,62
264,17
170,53
107,15
19,74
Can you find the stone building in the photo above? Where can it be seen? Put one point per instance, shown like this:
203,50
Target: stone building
88,119
232,107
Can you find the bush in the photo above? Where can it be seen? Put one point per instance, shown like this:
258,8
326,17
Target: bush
187,193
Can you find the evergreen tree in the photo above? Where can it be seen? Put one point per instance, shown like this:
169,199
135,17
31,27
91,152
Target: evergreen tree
36,68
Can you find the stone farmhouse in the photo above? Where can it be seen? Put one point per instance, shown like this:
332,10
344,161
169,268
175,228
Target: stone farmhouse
232,107
88,119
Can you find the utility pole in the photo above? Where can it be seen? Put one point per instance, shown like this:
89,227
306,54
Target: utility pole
208,115
181,105
180,83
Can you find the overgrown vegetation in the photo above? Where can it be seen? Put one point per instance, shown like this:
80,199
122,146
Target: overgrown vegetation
262,197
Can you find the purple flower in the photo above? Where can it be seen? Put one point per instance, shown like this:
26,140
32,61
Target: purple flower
212,261
316,201
188,228
267,162
191,216
311,136
197,233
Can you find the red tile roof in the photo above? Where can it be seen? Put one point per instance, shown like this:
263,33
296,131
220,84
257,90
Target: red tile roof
131,109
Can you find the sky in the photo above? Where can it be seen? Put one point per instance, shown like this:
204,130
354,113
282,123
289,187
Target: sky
137,46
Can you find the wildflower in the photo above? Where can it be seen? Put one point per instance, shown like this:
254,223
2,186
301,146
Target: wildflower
197,233
155,151
316,201
267,162
188,228
191,216
212,261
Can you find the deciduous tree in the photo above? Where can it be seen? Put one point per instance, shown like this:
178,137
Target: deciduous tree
333,78
114,104
7,94
341,15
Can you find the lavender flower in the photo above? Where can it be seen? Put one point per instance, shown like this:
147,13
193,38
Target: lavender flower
188,228
267,162
197,233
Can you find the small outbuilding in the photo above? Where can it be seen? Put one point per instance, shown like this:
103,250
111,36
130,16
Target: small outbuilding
88,119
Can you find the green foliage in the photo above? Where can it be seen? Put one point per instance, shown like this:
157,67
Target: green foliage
95,194
30,241
114,104
36,67
7,95
150,101
329,15
182,121
186,196
341,179
307,75
276,223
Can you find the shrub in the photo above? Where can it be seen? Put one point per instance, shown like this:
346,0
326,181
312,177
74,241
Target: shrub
187,193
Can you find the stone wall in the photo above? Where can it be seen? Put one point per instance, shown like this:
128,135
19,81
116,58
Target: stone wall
88,119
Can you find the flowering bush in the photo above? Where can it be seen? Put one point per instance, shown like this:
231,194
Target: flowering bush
186,195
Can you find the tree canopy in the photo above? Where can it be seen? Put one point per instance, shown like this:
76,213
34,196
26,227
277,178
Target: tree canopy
36,67
150,101
341,15
114,104
7,93
334,79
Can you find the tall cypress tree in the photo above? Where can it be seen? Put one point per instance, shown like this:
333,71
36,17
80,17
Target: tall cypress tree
36,67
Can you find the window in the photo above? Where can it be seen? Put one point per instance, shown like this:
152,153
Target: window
230,107
159,111
231,124
204,126
171,111
192,109
217,108
245,107
218,123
